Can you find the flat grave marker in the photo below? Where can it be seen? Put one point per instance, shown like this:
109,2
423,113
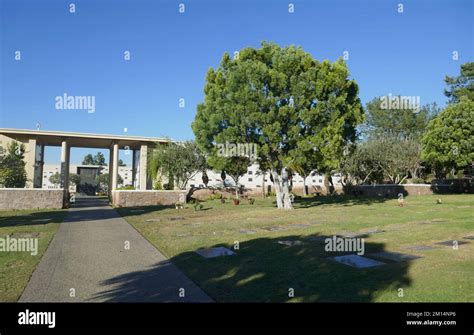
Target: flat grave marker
394,256
357,261
247,231
152,220
299,225
450,243
274,228
291,243
421,247
214,252
24,235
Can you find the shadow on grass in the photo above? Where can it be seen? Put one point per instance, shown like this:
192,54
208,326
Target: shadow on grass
343,200
262,270
19,219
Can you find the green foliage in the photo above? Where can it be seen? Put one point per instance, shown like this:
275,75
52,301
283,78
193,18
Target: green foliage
180,162
235,167
157,184
98,159
388,158
285,102
74,179
12,166
127,187
215,196
397,122
462,85
103,182
55,178
449,139
88,160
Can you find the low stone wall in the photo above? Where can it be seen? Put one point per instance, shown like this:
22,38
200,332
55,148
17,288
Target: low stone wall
205,193
134,198
394,190
30,198
391,190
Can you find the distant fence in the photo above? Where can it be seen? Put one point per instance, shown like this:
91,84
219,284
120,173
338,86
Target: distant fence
30,198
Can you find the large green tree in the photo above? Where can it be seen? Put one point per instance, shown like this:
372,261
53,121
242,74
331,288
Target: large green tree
381,159
449,140
401,122
97,159
88,160
179,161
462,85
283,101
12,166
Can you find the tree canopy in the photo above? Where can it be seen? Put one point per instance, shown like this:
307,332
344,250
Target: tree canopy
97,159
179,161
283,101
12,166
449,140
462,85
398,122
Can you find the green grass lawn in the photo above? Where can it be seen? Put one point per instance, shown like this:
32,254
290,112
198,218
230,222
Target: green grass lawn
263,270
16,267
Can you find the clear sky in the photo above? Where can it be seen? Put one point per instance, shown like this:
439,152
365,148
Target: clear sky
82,54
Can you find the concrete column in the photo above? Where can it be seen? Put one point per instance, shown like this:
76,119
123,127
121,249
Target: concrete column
39,162
111,163
115,166
64,178
30,159
134,168
143,164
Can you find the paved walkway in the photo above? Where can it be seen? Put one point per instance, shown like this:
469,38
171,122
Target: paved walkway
88,256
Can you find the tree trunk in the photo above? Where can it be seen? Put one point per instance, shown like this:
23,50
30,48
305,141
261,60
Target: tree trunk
282,189
263,184
305,190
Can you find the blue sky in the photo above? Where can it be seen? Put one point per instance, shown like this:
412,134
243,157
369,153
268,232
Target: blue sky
83,54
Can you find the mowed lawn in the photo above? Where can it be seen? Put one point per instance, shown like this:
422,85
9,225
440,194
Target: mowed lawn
16,268
264,270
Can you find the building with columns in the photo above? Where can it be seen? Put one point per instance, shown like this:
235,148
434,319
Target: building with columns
36,140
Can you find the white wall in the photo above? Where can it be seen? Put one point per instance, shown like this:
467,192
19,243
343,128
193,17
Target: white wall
254,179
49,169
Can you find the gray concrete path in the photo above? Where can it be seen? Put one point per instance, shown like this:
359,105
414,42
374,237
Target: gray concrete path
88,257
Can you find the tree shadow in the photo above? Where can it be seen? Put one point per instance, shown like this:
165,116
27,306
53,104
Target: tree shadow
140,210
453,186
160,283
32,219
263,270
343,200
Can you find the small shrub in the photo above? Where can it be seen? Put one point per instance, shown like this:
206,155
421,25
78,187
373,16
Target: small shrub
251,201
418,181
157,185
127,187
215,196
236,201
